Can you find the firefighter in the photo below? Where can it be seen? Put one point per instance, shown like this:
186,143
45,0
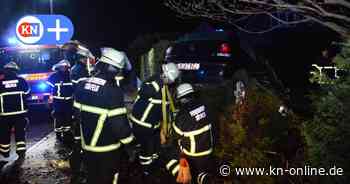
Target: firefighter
62,88
193,135
14,91
147,115
99,102
80,57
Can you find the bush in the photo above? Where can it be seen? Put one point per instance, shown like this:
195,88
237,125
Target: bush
255,135
328,131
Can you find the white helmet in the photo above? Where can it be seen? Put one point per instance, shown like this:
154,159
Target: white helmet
62,63
83,51
184,89
12,65
171,72
113,57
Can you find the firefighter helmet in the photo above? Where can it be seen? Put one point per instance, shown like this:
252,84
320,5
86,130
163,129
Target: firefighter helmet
170,72
12,65
113,57
183,90
62,64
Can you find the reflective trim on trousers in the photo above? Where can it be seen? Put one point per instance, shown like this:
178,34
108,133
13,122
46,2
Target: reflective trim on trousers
201,177
115,179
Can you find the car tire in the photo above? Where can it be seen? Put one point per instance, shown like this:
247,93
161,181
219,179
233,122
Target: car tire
240,81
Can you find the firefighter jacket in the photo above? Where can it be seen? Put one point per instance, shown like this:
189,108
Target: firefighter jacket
102,114
194,130
147,109
14,91
62,91
78,73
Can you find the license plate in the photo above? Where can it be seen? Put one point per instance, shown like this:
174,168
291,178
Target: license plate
188,66
35,97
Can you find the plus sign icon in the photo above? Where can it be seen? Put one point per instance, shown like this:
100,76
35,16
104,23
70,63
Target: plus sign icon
44,29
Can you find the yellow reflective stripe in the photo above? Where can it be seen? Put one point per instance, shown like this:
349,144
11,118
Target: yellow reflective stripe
147,111
127,140
115,179
50,84
156,101
104,113
62,98
5,145
117,111
98,130
148,125
64,84
145,124
170,163
201,177
175,170
145,158
199,154
101,148
193,144
4,150
155,85
80,79
98,110
21,142
191,133
146,162
27,92
12,113
21,148
97,148
12,93
118,78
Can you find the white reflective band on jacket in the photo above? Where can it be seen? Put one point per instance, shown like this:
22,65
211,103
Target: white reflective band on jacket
62,98
104,113
59,85
118,79
80,79
142,123
20,93
155,85
191,135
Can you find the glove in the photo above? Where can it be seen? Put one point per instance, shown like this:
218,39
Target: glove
184,174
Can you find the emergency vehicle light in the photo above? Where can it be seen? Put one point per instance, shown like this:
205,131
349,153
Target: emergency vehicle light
42,86
35,76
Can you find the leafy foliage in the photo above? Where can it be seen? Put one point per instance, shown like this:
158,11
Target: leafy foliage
255,135
329,130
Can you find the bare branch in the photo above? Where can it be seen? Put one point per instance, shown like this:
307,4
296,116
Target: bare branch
233,11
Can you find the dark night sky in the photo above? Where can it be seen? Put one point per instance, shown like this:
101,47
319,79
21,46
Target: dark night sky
101,22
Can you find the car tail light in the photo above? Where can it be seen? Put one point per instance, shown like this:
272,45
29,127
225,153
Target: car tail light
224,50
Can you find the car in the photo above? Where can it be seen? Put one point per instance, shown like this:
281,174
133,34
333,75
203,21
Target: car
214,57
35,64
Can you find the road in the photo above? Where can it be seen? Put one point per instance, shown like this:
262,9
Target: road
40,124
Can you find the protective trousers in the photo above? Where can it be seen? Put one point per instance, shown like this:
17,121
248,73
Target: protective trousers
149,139
6,124
102,168
62,125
